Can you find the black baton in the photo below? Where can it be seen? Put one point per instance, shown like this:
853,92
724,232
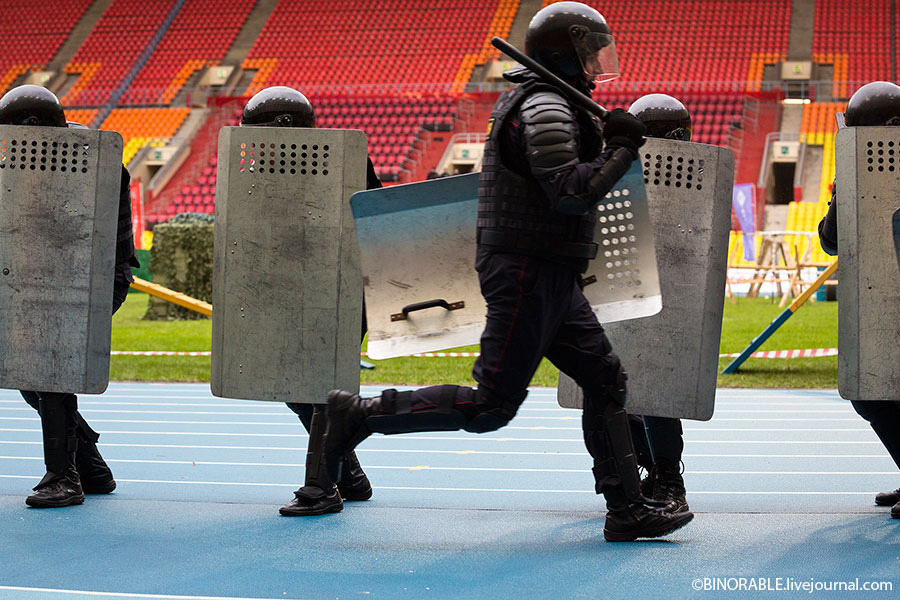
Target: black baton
570,92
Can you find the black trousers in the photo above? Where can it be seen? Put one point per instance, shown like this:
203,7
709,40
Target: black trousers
535,308
656,438
884,417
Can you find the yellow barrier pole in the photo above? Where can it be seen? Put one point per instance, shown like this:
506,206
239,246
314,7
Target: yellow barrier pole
154,289
780,319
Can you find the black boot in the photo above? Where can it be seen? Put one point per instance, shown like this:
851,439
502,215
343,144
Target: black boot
318,494
96,477
354,485
346,428
56,490
888,498
608,440
635,520
668,486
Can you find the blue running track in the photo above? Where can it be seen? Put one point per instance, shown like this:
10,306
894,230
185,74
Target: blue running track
782,483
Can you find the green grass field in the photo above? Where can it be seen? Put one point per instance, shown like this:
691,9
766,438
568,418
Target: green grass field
813,326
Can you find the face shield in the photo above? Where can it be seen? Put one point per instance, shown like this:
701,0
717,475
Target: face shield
597,53
284,120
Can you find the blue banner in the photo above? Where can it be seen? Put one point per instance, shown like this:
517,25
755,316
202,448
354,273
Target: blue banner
743,205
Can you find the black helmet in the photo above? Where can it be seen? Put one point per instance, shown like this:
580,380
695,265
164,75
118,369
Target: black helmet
279,106
664,116
876,103
572,40
31,105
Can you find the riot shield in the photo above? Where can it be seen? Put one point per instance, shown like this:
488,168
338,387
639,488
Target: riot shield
867,161
418,250
417,243
622,282
287,287
672,357
59,201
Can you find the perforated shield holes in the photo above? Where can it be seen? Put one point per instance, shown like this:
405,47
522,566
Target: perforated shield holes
880,156
284,159
673,171
618,242
43,155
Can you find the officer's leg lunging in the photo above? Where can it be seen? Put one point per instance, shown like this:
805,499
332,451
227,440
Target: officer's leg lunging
352,419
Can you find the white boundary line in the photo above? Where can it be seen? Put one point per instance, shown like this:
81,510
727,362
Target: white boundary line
12,588
803,353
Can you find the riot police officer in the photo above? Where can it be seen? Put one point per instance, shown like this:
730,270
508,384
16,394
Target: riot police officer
667,118
281,106
547,164
874,104
74,465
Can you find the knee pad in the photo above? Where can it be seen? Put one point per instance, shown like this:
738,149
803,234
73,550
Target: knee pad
609,385
493,412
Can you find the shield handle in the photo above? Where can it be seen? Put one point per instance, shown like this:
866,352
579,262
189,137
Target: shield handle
436,303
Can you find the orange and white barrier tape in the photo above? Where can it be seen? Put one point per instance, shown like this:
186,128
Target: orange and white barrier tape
807,353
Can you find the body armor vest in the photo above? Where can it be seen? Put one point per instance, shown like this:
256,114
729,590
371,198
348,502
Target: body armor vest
514,214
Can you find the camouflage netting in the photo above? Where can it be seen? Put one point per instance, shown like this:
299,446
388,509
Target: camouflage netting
181,259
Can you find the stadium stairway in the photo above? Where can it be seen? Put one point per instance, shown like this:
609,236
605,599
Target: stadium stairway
242,44
76,38
143,58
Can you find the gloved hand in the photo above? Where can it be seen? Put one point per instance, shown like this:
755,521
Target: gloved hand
624,130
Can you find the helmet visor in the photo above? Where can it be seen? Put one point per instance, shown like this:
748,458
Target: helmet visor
597,52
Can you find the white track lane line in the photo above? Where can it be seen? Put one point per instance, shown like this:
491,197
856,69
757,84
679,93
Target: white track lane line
12,588
431,468
469,490
507,428
495,439
413,438
549,453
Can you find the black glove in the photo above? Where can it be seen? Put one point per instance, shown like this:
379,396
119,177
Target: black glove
624,130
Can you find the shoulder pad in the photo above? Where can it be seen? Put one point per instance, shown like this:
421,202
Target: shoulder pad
550,132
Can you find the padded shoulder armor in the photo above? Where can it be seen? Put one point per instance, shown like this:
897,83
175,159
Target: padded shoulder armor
551,133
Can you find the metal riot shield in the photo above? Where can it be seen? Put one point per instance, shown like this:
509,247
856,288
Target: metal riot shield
867,161
59,201
622,281
417,243
287,288
672,357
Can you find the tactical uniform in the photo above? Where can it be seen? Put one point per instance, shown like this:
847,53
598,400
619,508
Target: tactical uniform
667,118
281,106
544,171
74,465
876,103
